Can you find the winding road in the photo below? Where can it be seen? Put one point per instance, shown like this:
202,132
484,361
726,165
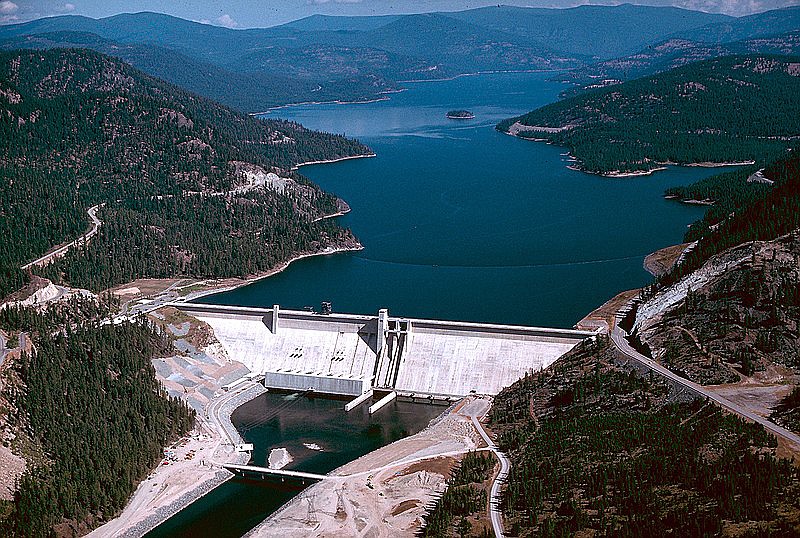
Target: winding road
60,251
618,336
495,514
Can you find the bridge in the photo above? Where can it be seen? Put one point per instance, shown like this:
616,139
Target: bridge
252,469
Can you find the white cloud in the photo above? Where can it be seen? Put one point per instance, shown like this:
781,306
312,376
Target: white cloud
7,8
227,21
65,8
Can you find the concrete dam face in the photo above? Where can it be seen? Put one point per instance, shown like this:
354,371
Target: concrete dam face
351,354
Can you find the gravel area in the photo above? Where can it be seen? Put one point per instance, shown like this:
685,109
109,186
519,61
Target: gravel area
163,513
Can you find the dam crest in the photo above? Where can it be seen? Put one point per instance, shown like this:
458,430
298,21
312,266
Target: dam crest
351,355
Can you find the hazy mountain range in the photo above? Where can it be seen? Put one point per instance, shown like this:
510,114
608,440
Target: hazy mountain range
356,58
326,58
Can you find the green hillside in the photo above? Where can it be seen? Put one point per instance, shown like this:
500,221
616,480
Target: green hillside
731,109
80,129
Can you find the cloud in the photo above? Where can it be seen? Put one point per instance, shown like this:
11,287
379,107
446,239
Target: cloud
7,8
66,8
227,21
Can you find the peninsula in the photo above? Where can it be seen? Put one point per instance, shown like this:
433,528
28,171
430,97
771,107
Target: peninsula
670,118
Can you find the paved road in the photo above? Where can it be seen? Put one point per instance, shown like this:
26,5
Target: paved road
618,337
96,223
495,514
3,350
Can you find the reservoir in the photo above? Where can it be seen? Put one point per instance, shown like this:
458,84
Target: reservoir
458,222
461,222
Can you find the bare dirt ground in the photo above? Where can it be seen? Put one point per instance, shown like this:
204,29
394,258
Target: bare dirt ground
603,316
11,468
760,394
661,261
382,494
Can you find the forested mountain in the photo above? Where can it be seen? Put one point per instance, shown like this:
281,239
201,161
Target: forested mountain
243,90
457,46
742,212
735,108
597,31
249,70
764,24
174,171
674,53
92,419
736,323
597,448
355,58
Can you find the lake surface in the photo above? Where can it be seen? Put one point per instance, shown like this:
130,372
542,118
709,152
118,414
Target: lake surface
462,222
291,421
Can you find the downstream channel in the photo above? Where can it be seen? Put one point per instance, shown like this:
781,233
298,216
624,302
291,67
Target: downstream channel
458,222
317,434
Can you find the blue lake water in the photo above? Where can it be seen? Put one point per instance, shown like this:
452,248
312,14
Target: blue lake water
462,222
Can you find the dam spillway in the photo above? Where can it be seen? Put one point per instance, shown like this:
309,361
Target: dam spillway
348,354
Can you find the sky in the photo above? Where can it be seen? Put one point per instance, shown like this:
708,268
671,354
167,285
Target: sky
260,13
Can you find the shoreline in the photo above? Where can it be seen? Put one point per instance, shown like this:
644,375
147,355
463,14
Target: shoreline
333,102
478,73
336,160
279,269
635,173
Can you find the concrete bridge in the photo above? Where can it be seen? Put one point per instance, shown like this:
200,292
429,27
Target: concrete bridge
282,473
347,354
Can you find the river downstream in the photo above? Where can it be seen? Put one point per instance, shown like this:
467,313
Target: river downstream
318,435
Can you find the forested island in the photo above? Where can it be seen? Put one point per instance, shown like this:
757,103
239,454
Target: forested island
671,118
460,115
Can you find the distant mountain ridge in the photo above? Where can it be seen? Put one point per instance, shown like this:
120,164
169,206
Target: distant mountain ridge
357,58
772,22
671,54
771,32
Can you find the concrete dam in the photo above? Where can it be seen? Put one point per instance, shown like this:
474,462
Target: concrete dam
351,355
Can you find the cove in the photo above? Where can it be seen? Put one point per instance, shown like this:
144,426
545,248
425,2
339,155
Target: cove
462,222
